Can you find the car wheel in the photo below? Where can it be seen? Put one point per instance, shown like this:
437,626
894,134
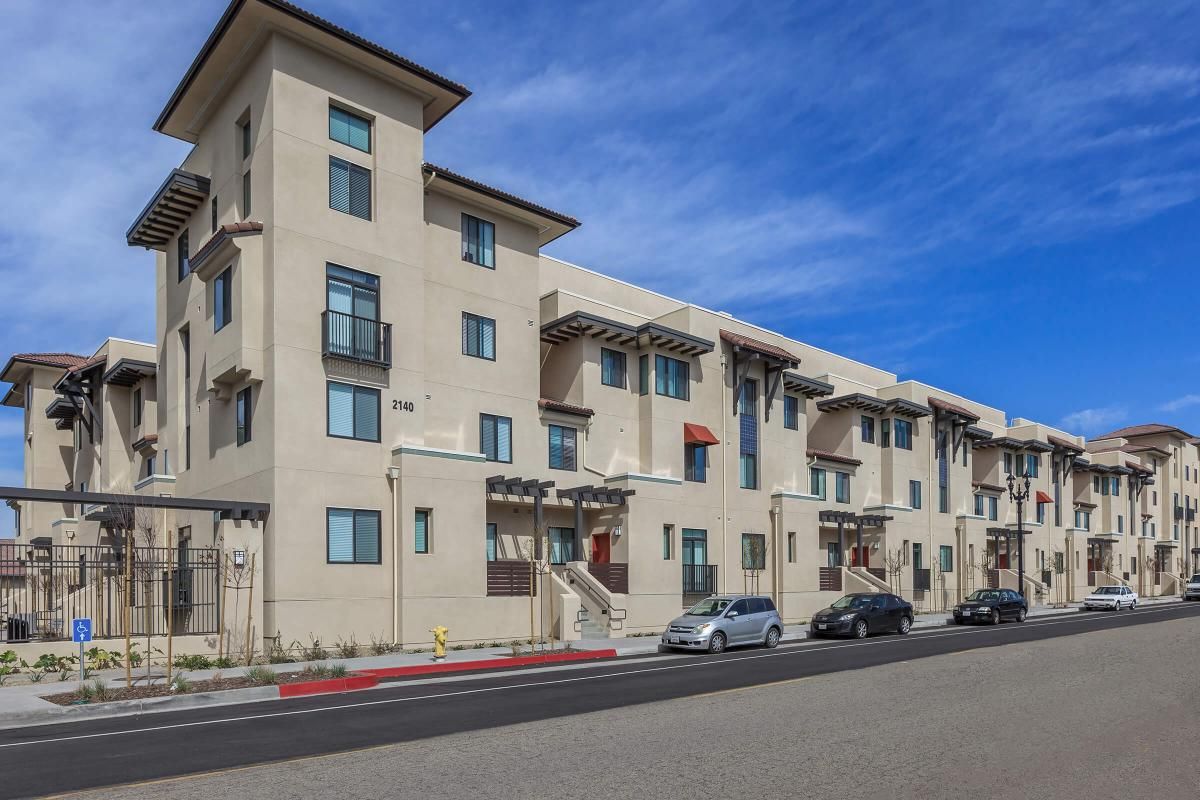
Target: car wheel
905,626
860,629
717,643
1021,615
1133,605
995,616
772,639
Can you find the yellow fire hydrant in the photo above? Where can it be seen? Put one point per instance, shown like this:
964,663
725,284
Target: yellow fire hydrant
439,642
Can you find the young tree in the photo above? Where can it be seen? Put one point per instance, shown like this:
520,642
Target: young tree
893,562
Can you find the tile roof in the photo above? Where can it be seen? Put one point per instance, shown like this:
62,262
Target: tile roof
830,456
1148,429
1139,467
500,194
221,234
1065,444
763,348
64,360
934,402
564,408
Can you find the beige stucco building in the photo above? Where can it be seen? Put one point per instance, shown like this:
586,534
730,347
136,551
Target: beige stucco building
376,347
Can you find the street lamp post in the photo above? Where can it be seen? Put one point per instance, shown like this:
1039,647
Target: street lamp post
1019,495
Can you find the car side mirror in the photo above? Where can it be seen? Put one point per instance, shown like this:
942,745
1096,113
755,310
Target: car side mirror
731,615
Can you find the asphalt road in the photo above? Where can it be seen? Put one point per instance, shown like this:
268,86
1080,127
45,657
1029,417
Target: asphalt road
927,712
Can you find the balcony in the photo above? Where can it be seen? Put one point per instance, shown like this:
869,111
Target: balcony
1190,515
1178,512
359,339
699,579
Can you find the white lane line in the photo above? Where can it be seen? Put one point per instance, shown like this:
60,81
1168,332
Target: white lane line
577,679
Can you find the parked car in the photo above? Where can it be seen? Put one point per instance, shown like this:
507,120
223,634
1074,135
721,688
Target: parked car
1192,590
991,605
859,615
1111,598
719,622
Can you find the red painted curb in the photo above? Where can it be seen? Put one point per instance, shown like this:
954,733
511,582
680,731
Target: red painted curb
352,682
486,663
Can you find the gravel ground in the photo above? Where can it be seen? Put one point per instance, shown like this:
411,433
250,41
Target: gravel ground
1102,715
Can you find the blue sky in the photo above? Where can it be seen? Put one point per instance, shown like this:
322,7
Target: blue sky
999,199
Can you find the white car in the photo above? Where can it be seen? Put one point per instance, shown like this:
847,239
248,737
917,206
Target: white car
1111,598
1192,590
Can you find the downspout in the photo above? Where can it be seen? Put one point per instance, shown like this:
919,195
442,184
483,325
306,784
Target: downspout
724,479
933,470
394,481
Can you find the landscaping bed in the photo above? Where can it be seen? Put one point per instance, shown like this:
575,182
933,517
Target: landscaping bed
99,692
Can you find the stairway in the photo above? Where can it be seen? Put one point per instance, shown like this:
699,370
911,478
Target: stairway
589,629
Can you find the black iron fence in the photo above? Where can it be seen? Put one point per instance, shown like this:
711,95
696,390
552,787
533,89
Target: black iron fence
699,578
356,338
43,588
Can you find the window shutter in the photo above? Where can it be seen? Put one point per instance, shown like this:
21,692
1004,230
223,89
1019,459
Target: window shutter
660,374
487,332
556,446
340,524
339,125
359,133
360,192
421,531
366,414
748,425
504,439
366,537
339,185
487,245
341,409
468,338
568,448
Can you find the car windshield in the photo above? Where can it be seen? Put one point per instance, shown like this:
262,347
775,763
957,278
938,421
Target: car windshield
853,601
1195,578
1109,590
984,597
709,607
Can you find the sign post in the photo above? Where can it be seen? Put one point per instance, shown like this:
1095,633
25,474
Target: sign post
81,631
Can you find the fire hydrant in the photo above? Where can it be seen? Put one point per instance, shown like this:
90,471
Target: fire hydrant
439,642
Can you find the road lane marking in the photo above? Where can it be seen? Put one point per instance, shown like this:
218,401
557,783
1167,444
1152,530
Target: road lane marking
578,679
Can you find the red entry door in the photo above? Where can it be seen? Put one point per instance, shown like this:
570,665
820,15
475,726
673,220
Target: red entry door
860,556
601,548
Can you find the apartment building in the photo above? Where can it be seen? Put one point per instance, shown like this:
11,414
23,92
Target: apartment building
376,347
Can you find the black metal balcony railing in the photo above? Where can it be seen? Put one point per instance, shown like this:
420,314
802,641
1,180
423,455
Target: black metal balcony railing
352,338
1178,512
699,578
1190,515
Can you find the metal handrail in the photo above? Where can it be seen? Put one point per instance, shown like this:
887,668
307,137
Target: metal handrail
356,338
605,606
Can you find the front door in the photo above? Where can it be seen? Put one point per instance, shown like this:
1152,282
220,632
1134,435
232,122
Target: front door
832,555
601,548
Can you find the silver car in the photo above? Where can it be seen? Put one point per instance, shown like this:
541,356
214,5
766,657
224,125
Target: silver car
719,622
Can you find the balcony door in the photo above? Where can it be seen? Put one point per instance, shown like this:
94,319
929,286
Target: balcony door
695,547
352,300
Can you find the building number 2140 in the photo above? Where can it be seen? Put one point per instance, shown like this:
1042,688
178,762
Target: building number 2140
402,405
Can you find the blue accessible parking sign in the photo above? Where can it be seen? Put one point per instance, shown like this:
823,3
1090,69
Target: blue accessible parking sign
81,630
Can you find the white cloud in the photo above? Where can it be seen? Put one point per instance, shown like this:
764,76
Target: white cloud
1090,421
1180,403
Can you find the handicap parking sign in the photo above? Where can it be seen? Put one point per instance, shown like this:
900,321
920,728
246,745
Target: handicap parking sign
81,630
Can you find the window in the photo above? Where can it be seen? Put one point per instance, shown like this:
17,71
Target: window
791,547
695,462
946,558
351,536
350,129
1083,520
244,415
1116,487
644,375
914,494
816,483
421,530
993,508
843,487
1041,513
223,299
754,551
966,450
668,536
478,337
1008,464
349,188
867,426
562,545
149,466
1120,523
478,241
137,407
903,431
917,556
181,256
246,195
979,505
185,347
791,412
885,433
1104,484
671,377
353,412
495,437
213,211
491,541
562,447
612,368
748,435
247,140
352,314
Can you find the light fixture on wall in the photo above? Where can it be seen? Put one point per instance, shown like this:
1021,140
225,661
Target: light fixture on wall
616,531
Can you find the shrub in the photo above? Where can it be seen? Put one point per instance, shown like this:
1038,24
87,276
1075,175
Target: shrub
381,647
277,653
350,649
35,672
262,676
338,671
224,662
193,662
96,691
180,684
314,651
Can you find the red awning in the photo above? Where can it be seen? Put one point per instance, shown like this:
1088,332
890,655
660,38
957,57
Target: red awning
698,434
1042,497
